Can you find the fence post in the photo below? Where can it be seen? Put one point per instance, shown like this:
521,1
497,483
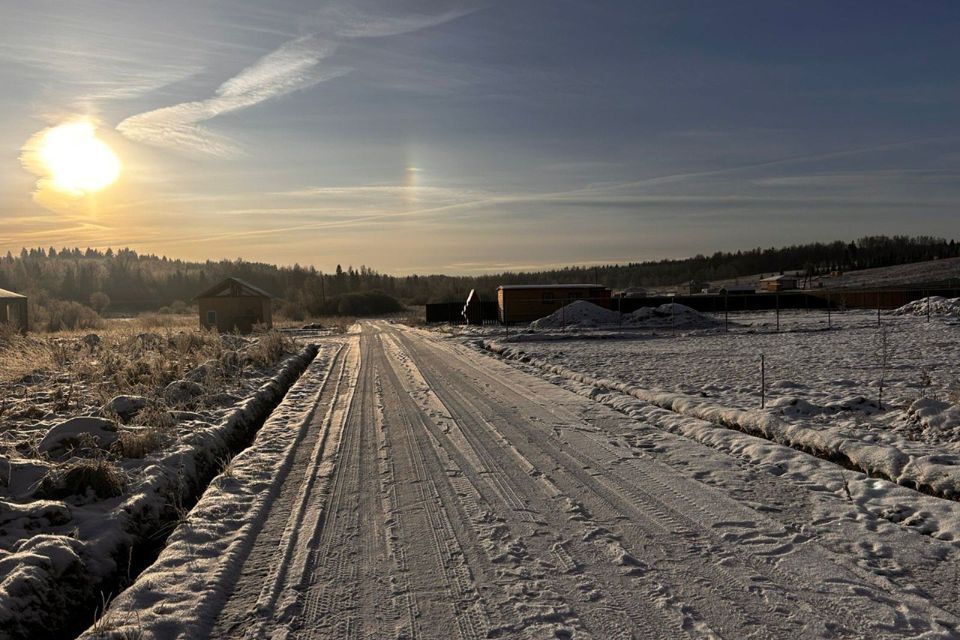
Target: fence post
777,296
726,312
878,308
763,384
620,314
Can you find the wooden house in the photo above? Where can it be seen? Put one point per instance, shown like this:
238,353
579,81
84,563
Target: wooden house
235,305
529,302
13,310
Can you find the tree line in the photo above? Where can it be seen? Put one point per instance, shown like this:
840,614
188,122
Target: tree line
124,280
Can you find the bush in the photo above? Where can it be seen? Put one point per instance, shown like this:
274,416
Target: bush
292,311
50,314
99,301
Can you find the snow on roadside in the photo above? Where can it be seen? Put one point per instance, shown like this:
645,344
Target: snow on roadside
174,596
44,577
896,460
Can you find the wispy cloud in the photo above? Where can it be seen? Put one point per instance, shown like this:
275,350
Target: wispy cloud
354,23
293,67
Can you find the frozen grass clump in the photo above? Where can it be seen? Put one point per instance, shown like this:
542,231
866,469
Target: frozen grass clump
99,476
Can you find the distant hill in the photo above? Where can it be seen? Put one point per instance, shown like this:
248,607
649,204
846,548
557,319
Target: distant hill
129,281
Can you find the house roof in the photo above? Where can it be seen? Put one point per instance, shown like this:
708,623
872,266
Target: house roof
780,277
244,287
10,295
551,286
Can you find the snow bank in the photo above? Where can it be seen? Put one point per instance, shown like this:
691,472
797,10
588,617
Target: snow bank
935,474
44,579
173,597
938,305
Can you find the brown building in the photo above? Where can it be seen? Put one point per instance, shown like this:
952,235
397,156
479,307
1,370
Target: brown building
13,309
235,305
529,302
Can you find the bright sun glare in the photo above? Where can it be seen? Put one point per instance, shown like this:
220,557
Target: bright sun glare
78,161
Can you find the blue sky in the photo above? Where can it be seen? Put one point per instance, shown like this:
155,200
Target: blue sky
461,137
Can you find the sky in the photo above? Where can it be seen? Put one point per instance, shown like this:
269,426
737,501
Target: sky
462,137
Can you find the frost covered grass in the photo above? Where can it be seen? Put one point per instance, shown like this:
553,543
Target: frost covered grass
103,434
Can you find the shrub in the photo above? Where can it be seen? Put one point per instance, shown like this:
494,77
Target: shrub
50,314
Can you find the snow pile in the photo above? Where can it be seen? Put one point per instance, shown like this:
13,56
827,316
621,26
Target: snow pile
585,314
938,306
669,314
577,314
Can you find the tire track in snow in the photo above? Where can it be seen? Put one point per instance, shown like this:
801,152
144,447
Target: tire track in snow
859,593
584,590
247,607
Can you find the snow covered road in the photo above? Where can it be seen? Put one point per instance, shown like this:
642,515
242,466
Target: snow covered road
443,494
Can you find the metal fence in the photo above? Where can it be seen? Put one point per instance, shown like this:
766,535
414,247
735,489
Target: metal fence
823,302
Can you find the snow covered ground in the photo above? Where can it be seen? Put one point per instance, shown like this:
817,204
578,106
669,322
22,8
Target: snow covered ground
104,439
440,492
822,386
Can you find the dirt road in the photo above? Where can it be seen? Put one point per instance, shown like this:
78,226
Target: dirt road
444,494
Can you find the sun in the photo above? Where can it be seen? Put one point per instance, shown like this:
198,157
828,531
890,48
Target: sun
78,162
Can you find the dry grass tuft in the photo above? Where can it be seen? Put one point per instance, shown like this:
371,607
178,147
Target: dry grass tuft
76,478
270,348
140,444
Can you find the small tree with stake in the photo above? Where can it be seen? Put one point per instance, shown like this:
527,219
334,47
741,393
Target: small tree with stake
884,354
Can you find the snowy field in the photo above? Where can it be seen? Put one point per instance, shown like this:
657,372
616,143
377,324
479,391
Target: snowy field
821,391
812,372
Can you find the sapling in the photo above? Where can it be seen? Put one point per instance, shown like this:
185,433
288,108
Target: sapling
884,355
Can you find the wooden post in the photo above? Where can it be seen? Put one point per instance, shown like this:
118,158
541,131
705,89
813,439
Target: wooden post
620,314
878,307
763,384
726,312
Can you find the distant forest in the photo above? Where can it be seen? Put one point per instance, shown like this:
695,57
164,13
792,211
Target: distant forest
125,281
